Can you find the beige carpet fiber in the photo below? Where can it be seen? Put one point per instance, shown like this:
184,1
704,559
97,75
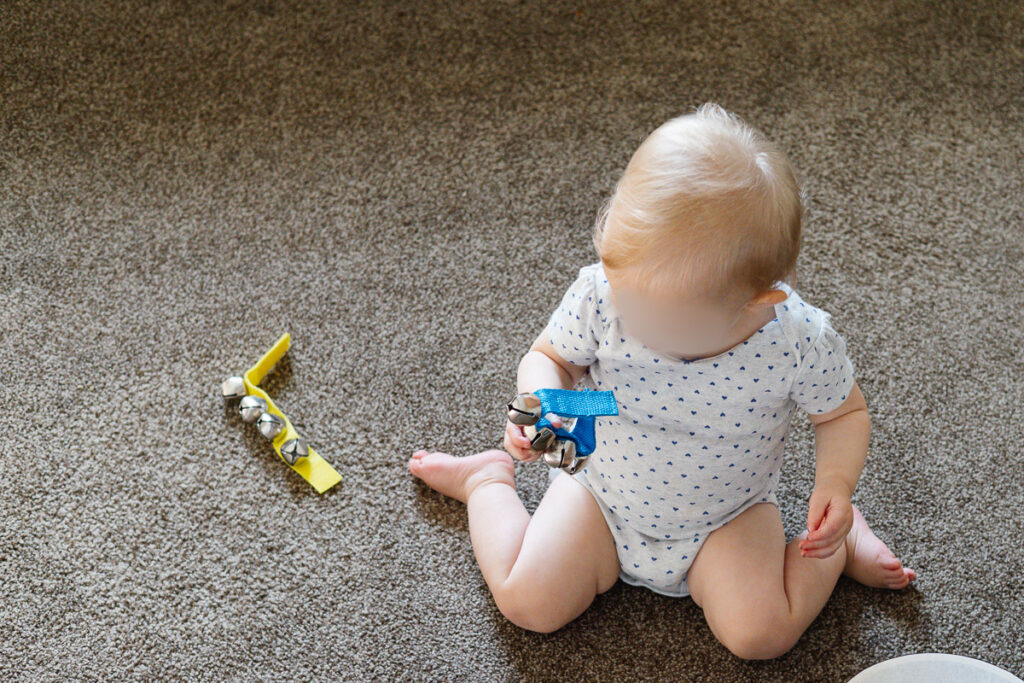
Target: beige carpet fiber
408,188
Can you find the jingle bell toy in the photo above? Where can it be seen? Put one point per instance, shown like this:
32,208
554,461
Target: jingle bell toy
251,408
270,425
257,407
233,387
566,447
294,449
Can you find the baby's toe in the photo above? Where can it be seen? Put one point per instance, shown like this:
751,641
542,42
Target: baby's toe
416,461
904,578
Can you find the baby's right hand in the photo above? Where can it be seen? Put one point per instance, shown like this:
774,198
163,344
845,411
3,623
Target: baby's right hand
518,445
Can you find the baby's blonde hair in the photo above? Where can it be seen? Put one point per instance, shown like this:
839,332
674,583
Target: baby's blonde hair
707,206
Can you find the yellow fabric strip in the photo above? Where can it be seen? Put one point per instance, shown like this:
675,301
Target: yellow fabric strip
314,469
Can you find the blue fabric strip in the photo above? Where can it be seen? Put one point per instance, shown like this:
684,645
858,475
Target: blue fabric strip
584,406
569,403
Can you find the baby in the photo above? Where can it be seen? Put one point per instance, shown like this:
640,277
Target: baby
691,318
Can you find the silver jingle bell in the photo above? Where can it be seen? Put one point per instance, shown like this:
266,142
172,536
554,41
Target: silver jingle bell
233,387
540,439
251,407
561,455
524,409
294,449
577,464
270,425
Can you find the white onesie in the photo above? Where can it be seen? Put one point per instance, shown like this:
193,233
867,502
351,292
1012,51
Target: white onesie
696,442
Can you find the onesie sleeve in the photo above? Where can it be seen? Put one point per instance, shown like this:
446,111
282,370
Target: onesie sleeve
825,377
574,329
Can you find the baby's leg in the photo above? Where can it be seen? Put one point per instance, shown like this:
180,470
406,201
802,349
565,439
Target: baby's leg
759,595
543,571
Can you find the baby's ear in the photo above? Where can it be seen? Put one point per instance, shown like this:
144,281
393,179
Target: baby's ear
769,297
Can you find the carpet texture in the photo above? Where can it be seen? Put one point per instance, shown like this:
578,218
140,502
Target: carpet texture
408,189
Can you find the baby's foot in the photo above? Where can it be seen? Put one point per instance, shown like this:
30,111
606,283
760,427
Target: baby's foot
869,560
459,477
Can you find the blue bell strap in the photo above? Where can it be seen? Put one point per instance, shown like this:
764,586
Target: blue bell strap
570,403
584,405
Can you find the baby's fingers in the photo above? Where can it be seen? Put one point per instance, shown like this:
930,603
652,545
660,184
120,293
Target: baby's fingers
519,438
829,527
518,445
822,553
831,534
818,543
825,535
555,419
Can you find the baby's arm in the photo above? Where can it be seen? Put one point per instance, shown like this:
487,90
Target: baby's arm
543,368
575,329
841,441
841,447
540,368
825,387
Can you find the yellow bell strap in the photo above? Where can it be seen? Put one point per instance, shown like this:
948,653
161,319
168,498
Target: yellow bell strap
314,469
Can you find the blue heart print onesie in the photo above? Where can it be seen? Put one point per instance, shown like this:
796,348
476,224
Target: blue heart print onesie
696,442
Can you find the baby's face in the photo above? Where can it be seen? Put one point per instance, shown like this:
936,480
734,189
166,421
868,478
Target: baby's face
679,326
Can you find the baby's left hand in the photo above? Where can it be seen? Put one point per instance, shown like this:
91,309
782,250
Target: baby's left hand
829,520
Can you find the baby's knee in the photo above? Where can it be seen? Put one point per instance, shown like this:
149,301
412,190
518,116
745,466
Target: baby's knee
538,622
758,641
529,608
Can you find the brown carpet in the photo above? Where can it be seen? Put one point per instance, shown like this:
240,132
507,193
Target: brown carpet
408,190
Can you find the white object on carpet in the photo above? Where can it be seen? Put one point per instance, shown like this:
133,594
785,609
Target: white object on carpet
934,667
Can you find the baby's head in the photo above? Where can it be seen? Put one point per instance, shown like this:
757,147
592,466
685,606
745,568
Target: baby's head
705,220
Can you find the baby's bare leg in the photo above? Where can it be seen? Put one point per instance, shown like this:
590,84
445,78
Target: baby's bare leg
543,571
759,594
